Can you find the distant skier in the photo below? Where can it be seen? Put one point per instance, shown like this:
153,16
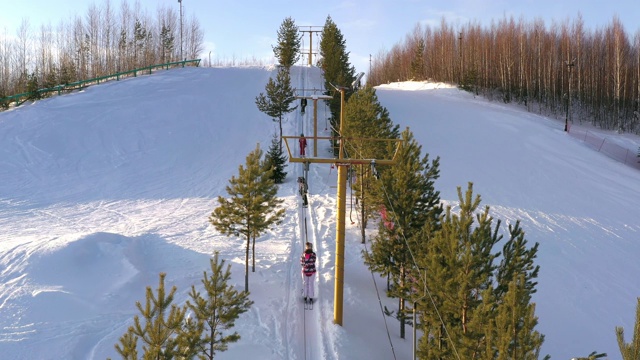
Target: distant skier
303,144
303,104
308,262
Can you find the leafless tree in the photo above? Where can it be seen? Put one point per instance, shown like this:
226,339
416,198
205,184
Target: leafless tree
528,63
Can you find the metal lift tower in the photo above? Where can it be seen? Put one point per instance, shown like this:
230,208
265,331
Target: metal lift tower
343,163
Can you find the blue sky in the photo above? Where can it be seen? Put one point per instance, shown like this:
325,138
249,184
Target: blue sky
247,29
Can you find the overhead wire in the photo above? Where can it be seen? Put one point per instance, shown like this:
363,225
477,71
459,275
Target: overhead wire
384,318
304,238
415,264
424,280
351,189
382,313
413,260
371,271
386,326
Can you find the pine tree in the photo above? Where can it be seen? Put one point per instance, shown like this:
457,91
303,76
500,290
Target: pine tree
128,347
516,260
51,79
417,62
288,49
366,119
631,350
67,73
515,334
4,103
337,70
278,99
167,42
459,263
216,310
411,201
476,309
175,336
470,81
33,85
159,328
276,160
252,206
140,34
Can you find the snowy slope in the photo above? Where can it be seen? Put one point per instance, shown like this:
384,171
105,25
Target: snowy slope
102,189
581,206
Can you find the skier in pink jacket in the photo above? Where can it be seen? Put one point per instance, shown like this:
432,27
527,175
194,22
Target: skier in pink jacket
308,262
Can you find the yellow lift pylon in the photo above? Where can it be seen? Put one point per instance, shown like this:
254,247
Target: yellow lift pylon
343,164
311,30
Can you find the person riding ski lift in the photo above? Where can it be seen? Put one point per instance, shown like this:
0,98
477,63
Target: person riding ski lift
302,189
308,262
303,144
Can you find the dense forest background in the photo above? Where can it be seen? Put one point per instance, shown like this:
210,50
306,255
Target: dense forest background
549,69
562,70
105,41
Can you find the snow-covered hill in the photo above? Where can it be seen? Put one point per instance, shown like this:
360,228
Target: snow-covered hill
102,189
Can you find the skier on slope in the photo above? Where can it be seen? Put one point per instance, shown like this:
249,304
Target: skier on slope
308,262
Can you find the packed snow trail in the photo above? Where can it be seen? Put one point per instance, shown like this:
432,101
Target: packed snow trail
312,322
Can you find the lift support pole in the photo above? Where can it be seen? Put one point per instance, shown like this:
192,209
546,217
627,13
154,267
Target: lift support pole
342,201
343,169
312,29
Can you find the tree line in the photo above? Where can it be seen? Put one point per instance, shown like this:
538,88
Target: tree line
567,70
104,41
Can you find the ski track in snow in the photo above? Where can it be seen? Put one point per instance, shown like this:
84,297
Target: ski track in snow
313,320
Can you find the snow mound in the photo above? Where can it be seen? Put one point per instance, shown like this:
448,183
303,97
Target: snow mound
415,85
115,270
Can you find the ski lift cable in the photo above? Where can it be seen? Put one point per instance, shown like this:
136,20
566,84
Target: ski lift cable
303,225
427,292
424,279
350,168
375,285
384,317
413,260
